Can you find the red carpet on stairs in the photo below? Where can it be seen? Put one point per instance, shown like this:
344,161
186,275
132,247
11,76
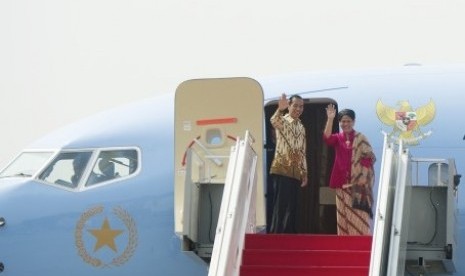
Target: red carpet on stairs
305,254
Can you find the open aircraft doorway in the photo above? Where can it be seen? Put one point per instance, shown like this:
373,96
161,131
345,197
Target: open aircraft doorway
317,209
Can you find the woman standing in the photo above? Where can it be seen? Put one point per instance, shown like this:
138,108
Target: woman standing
352,175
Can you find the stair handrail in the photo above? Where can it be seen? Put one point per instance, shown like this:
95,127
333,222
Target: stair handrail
400,214
383,211
237,211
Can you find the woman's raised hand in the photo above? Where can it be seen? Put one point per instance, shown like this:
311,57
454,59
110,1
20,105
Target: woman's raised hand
331,111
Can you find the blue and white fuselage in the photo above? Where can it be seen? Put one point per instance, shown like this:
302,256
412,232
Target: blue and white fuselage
98,197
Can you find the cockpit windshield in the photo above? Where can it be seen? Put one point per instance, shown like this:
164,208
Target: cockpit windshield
66,169
69,168
90,167
26,164
113,164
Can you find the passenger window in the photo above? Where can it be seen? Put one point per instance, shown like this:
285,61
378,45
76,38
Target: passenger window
214,137
113,164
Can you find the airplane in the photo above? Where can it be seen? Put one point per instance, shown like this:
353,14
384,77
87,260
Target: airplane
138,189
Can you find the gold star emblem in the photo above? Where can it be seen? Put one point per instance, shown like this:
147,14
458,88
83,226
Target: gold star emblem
105,236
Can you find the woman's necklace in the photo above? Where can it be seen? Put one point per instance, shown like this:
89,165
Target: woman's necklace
347,140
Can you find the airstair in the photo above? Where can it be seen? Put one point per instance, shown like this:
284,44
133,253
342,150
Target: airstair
416,215
413,233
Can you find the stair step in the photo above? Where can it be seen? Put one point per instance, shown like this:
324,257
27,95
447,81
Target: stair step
263,270
305,254
305,257
307,242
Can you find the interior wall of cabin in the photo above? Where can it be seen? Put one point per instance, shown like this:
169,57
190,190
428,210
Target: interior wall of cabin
315,215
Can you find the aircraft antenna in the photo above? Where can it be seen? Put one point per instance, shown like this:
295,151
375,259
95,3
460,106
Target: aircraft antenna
311,91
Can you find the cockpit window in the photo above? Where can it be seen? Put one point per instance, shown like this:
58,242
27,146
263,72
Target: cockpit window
66,169
76,169
26,164
113,164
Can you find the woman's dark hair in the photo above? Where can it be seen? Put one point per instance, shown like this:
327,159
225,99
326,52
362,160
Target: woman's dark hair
346,112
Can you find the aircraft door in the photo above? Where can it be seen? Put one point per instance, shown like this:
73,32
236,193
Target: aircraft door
209,115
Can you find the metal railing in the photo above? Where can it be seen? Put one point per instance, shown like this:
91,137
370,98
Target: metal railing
237,213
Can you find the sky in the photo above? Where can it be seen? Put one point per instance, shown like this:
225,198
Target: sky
61,60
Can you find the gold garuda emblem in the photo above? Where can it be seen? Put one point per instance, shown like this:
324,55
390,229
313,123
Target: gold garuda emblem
406,121
106,239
